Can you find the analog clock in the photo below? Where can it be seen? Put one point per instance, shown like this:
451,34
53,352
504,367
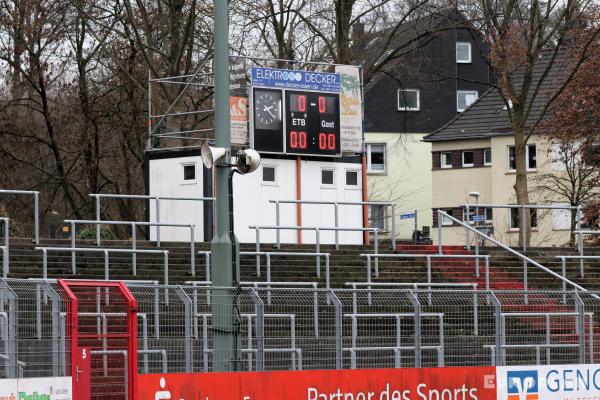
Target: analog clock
267,110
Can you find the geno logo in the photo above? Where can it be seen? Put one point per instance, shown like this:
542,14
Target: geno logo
522,385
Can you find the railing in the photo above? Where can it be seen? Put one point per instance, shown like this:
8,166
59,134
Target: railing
317,230
526,260
157,200
36,209
5,248
581,259
521,207
106,253
336,205
167,334
269,254
580,243
134,225
428,257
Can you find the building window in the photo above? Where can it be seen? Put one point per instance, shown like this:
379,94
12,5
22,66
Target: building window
531,158
463,52
327,177
514,217
467,159
445,220
377,217
409,100
189,173
268,174
351,178
487,157
464,98
376,158
446,160
489,214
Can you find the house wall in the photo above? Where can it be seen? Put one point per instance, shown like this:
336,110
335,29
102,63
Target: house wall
451,188
407,179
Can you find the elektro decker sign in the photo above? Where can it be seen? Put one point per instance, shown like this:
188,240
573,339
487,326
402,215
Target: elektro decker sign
549,382
476,383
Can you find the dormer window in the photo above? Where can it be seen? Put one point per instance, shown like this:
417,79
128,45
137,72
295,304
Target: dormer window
463,52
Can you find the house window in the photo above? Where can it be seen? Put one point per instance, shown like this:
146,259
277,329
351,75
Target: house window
376,158
409,100
445,220
351,178
489,214
464,98
327,177
531,158
463,52
487,157
467,159
189,173
377,217
446,160
514,217
269,174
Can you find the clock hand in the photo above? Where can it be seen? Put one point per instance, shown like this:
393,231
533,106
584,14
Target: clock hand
270,113
267,108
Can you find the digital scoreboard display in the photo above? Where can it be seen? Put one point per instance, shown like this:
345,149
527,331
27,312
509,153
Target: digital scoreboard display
295,112
312,123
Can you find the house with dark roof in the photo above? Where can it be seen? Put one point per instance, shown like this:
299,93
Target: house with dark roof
474,153
432,71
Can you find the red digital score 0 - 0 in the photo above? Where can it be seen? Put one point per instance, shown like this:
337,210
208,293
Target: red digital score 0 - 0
312,123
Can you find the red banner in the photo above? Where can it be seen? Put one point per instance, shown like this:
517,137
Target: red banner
469,383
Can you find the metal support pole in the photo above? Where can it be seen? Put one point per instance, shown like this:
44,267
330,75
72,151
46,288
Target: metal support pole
259,308
429,280
36,217
580,308
73,256
193,250
277,223
525,283
133,247
97,219
524,228
338,329
578,216
417,327
468,233
157,207
337,225
394,226
226,318
258,250
439,223
564,282
5,250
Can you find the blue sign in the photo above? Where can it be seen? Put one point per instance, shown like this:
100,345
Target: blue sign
478,218
293,79
408,216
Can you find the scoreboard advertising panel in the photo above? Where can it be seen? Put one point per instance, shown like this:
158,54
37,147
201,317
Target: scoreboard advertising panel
295,112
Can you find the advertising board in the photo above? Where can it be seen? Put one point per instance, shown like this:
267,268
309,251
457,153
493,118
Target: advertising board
549,382
472,383
59,388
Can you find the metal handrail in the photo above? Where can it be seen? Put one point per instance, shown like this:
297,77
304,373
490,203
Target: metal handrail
5,249
522,207
526,260
581,269
36,209
134,225
580,242
428,257
336,205
106,252
157,199
416,286
317,229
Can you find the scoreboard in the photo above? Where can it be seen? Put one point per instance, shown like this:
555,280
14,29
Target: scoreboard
296,117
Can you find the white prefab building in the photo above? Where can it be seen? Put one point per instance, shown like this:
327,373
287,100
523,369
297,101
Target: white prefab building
181,173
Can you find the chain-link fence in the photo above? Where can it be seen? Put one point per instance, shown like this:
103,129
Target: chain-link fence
196,329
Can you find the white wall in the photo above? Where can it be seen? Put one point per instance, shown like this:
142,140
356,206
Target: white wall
251,200
166,179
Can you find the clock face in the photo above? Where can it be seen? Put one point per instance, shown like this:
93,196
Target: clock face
267,109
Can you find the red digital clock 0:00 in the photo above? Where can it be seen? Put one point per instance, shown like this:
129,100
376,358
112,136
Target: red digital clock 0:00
326,141
298,140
